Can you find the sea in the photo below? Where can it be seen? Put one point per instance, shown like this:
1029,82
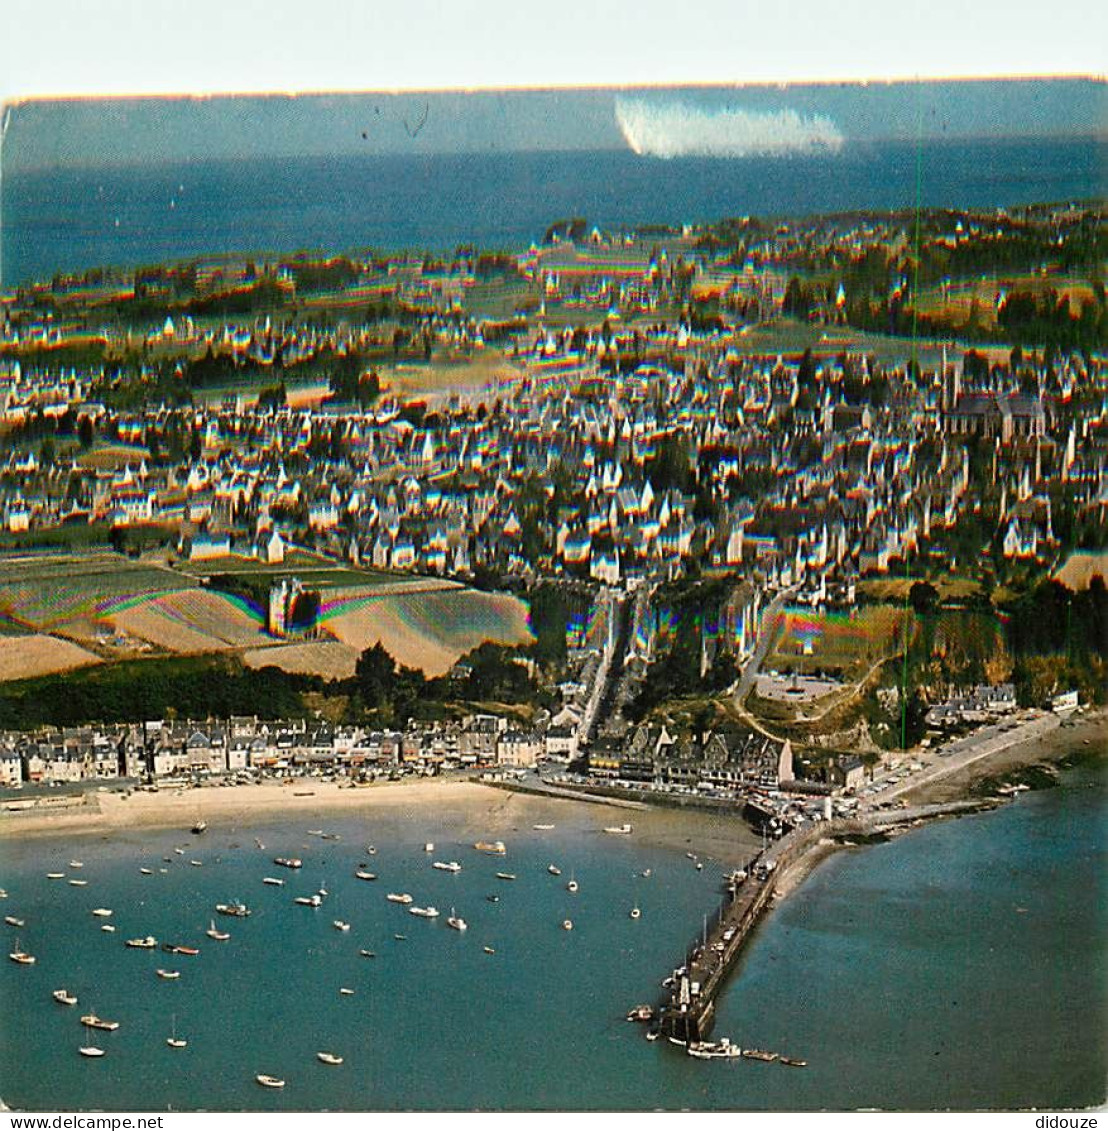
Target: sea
72,219
959,966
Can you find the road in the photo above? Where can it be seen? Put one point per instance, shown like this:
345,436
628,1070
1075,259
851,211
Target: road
765,639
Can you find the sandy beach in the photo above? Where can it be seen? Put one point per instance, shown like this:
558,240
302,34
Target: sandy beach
466,808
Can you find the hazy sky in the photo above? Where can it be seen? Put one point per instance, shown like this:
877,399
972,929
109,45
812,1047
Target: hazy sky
81,47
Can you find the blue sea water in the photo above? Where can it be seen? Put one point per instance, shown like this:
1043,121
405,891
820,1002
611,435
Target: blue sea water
960,966
73,219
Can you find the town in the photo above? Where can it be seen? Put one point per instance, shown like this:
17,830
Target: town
757,537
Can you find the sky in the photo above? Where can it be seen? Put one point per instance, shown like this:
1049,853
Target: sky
70,50
80,47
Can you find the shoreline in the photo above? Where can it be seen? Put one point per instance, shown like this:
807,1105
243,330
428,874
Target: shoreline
727,836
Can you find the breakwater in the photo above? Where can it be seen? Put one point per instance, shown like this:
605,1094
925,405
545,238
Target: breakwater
688,1012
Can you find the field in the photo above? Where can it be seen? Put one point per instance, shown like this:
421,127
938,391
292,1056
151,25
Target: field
22,657
898,588
428,630
51,604
843,644
331,659
1081,567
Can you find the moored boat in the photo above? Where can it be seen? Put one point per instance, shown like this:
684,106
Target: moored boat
792,1062
624,828
641,1013
722,1049
12,921
346,991
367,953
78,883
91,1021
145,872
64,997
340,925
236,910
447,866
328,1058
505,875
173,948
399,897
424,912
102,912
55,875
213,933
269,1081
76,863
147,943
489,950
308,900
90,1050
273,881
553,869
199,827
174,1041
635,913
567,924
109,928
288,861
760,1054
365,875
456,921
542,828
169,975
572,886
495,847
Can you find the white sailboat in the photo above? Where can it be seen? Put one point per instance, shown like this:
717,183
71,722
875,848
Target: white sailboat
174,1041
89,1049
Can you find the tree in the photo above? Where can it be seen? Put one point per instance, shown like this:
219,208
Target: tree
923,597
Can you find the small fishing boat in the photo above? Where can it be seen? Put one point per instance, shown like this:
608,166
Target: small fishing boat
199,827
553,869
760,1054
315,832
365,875
447,866
505,875
346,991
340,925
400,938
173,948
429,846
179,851
567,924
197,863
109,928
489,950
572,886
64,997
78,883
219,936
722,1049
55,875
102,912
331,836
370,850
492,898
624,828
273,881
792,1062
542,828
169,975
308,900
493,848
641,1013
456,921
399,897
424,912
288,862
269,1081
235,910
12,921
76,863
367,953
635,913
328,1058
145,872
91,1021
147,943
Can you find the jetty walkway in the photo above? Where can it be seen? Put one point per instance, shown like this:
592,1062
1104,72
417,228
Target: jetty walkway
688,1012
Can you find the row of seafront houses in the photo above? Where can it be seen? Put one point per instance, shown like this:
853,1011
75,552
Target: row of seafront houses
165,749
178,748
